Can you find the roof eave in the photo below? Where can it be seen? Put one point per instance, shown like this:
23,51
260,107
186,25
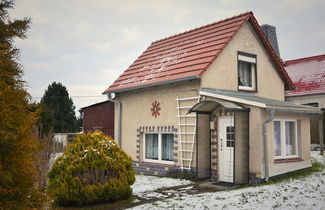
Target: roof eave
302,111
302,95
233,99
150,85
99,103
266,106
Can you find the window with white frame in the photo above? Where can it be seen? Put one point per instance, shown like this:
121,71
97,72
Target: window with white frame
246,72
285,139
158,147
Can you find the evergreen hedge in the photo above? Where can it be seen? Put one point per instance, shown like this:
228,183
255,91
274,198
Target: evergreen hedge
94,169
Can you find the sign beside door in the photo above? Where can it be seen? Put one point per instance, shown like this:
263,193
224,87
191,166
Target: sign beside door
226,143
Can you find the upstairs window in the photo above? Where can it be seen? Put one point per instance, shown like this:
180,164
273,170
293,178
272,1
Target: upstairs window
246,72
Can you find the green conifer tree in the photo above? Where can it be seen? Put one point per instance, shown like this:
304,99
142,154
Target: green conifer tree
58,109
17,122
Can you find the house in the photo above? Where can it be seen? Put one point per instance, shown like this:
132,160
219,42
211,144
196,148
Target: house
99,116
308,75
211,101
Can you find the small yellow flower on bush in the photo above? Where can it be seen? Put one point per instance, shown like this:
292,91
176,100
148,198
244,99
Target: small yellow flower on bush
94,169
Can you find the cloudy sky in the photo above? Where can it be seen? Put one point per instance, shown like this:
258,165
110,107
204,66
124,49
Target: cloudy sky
86,44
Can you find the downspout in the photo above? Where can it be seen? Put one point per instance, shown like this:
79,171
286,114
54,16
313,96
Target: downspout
197,145
119,139
83,122
266,148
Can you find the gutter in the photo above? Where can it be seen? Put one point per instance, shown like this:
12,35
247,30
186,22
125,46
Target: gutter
118,136
295,111
83,122
266,148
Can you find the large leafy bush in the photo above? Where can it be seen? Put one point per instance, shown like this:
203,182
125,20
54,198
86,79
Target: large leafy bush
92,170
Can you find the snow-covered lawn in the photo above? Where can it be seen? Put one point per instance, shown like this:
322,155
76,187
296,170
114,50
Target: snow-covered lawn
151,183
303,193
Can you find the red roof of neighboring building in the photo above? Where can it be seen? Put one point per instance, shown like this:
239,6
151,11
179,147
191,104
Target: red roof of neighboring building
187,55
308,75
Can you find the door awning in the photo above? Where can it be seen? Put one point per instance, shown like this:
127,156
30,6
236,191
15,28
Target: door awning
249,99
208,106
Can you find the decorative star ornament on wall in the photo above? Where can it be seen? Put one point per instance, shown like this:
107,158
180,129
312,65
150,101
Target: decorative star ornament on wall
155,109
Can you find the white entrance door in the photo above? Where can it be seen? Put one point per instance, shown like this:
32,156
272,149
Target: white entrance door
226,143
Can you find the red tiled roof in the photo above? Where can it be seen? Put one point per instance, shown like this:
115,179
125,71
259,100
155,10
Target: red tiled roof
187,55
308,75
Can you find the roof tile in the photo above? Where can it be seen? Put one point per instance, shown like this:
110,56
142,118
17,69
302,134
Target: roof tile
308,75
187,54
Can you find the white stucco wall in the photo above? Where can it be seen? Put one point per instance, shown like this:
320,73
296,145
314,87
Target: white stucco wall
320,99
222,74
136,109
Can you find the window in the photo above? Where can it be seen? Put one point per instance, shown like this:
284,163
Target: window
285,138
311,104
151,146
246,72
230,136
158,147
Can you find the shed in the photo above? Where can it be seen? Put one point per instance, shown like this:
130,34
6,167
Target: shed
99,116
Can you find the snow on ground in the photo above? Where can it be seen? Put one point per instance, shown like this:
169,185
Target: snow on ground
303,193
151,183
317,158
53,157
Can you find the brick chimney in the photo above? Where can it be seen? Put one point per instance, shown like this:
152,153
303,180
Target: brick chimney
270,33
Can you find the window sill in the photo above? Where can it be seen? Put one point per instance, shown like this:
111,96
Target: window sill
159,162
247,89
288,160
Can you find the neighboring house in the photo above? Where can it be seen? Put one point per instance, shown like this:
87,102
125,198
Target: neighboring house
205,101
308,75
99,116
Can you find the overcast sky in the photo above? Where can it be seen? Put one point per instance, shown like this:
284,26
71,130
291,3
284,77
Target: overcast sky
86,44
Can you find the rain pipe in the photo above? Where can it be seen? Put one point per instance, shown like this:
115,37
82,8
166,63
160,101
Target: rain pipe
266,148
119,123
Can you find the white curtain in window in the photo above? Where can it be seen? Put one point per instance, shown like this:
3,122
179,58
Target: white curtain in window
290,137
152,146
167,146
245,74
277,138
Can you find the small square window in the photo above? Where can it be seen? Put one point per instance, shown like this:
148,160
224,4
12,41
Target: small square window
158,147
246,72
230,136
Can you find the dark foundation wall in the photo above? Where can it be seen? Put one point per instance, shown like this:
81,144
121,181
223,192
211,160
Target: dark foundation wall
241,147
152,169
